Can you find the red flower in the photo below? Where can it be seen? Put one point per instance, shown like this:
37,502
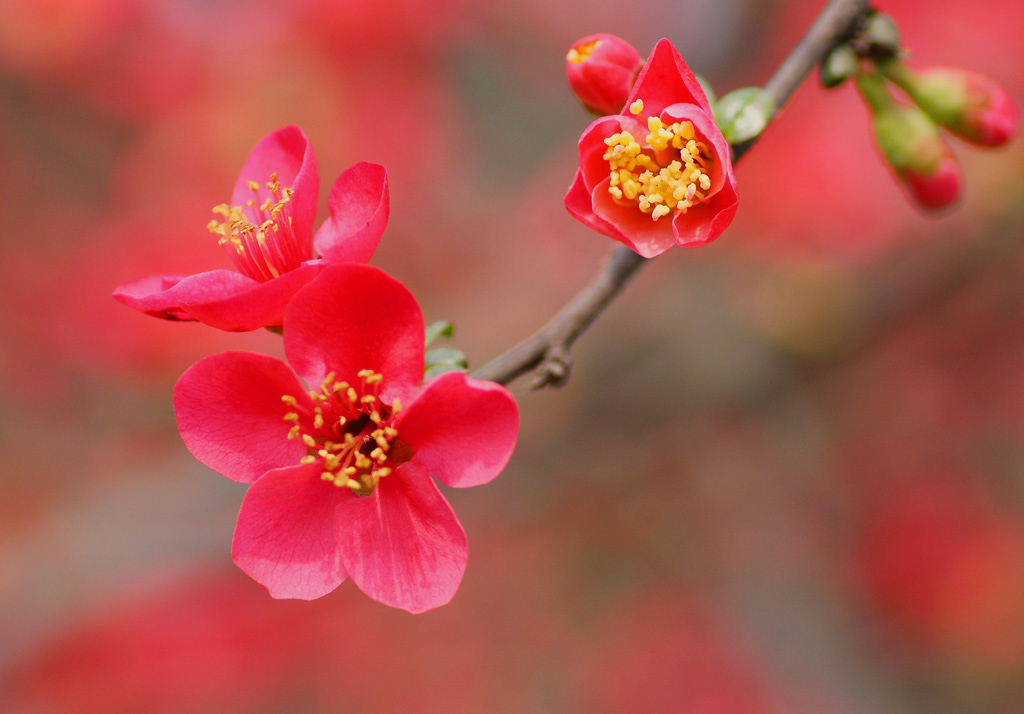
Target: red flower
268,232
601,70
340,473
659,174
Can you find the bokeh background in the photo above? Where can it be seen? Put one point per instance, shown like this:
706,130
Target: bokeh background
787,475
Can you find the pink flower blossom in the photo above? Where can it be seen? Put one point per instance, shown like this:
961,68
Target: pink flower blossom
601,70
268,233
341,471
659,174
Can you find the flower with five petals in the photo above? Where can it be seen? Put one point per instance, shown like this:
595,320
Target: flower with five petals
658,174
342,468
268,233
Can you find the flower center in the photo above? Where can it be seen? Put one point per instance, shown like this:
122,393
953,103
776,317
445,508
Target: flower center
349,432
668,172
259,236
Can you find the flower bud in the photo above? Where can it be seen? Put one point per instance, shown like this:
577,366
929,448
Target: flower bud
968,104
879,37
838,66
914,146
601,70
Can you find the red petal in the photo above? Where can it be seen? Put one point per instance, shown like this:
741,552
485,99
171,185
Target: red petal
355,317
403,546
463,430
153,296
359,213
666,79
231,301
231,416
631,226
287,535
288,153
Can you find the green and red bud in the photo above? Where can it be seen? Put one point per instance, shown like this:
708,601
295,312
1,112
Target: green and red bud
970,105
601,70
913,146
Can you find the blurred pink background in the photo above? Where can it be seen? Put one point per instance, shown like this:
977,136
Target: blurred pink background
787,475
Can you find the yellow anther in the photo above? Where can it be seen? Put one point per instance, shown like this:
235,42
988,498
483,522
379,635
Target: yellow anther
580,54
396,406
381,473
253,186
705,182
637,106
351,394
291,416
307,459
318,420
368,399
390,432
289,400
327,476
293,433
660,211
364,373
375,379
308,440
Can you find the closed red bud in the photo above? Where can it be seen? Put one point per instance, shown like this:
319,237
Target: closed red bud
914,147
970,105
601,70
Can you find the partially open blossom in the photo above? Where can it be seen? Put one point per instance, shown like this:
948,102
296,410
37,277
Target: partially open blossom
341,467
913,146
970,105
659,174
268,234
601,70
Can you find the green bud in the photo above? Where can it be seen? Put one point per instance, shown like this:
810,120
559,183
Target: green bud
838,66
744,113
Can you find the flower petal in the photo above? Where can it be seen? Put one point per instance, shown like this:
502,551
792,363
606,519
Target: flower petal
666,79
231,301
403,546
359,213
354,317
463,430
288,153
630,225
231,416
153,296
287,534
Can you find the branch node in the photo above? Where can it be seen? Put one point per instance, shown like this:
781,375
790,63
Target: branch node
554,370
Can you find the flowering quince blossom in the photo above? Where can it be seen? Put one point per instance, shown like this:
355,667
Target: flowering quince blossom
658,174
267,232
341,472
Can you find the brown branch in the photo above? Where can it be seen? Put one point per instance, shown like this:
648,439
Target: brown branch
546,352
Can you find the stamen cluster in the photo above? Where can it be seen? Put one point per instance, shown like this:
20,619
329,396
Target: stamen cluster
348,430
267,248
637,175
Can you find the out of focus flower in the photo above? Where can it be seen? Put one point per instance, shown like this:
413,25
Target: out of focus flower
659,174
341,472
268,233
601,70
970,105
913,146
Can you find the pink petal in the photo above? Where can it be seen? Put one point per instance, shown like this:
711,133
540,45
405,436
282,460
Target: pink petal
633,227
355,317
231,416
463,430
706,221
231,301
359,213
287,152
403,545
287,535
666,79
152,295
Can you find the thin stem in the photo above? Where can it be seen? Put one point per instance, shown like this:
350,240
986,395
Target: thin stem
546,352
